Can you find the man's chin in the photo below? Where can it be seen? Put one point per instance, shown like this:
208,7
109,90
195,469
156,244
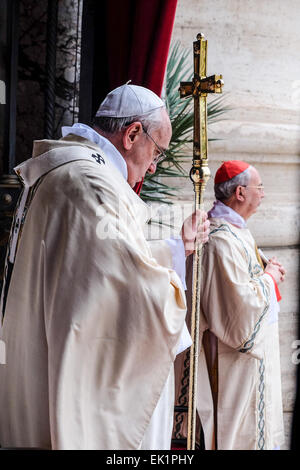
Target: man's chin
133,184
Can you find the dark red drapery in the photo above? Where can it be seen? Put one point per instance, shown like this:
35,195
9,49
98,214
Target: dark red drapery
138,35
138,39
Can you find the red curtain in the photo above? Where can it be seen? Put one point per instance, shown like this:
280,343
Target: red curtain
138,37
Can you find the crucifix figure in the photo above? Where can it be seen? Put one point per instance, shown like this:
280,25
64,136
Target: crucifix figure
199,174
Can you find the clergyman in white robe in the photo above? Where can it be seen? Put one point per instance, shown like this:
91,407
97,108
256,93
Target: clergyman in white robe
91,323
239,389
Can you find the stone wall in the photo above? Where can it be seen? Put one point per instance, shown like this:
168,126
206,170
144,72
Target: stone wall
255,45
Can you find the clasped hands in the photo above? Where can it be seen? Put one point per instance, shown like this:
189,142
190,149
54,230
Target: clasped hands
276,269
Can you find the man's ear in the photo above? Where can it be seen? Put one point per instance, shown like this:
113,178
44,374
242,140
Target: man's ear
239,193
131,134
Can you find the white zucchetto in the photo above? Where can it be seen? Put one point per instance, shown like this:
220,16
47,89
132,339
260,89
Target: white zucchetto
129,100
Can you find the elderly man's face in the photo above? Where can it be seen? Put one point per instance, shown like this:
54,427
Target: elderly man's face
254,193
144,151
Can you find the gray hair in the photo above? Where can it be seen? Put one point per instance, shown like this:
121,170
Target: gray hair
112,125
224,190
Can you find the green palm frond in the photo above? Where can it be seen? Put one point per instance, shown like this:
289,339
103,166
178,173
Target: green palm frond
181,116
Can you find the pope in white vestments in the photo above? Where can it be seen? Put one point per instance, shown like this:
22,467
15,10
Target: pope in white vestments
91,322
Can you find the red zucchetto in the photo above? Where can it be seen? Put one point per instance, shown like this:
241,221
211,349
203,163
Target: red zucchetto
230,169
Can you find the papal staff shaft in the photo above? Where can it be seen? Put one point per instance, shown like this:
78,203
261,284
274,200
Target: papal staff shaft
199,174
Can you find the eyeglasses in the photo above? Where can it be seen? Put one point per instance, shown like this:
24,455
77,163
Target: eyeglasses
260,187
159,158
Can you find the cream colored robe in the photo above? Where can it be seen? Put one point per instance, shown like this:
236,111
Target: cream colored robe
240,346
92,321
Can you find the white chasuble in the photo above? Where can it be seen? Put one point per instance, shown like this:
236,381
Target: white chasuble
239,398
92,322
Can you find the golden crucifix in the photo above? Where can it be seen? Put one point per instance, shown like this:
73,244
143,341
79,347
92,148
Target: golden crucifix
199,174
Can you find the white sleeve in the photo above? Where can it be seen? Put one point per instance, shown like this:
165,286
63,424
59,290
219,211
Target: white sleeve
178,257
185,340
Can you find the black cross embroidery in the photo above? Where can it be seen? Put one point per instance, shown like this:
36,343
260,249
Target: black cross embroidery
98,158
